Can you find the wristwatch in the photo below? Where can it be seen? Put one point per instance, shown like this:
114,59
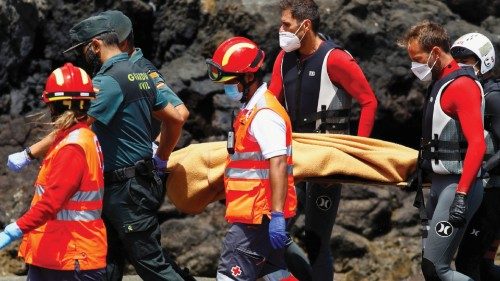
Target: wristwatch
30,155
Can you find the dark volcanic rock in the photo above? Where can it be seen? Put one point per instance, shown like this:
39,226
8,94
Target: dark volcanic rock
376,237
195,241
474,11
347,244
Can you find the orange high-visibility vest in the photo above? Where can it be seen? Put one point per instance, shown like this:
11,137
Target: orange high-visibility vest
246,178
76,235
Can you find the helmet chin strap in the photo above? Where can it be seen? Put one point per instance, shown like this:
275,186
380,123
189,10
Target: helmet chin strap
246,87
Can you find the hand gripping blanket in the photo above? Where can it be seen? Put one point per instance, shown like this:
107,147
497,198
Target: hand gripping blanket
196,171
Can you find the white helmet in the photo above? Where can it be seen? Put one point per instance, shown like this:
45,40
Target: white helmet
475,44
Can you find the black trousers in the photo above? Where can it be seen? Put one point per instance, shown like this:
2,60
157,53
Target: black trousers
129,212
320,203
480,234
36,273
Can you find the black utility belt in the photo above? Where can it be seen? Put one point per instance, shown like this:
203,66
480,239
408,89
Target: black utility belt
143,167
443,155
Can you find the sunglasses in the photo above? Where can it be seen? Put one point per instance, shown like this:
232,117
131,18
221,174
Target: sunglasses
215,72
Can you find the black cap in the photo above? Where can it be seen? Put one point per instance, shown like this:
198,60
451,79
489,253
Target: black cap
119,22
87,29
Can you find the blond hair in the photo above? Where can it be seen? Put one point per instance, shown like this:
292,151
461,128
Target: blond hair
67,119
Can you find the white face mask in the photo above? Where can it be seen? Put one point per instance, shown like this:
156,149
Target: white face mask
476,71
422,70
289,41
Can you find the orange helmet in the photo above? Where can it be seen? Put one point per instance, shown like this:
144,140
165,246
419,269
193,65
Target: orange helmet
68,83
234,57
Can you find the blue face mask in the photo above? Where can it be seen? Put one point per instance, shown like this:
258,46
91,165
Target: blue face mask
232,92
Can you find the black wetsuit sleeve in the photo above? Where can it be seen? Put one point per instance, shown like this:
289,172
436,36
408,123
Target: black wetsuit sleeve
492,111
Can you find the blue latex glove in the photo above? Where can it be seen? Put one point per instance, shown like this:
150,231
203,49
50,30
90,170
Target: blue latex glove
160,165
11,233
17,161
277,231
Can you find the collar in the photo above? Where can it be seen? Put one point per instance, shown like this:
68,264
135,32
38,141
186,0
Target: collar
305,57
136,55
109,63
256,97
452,66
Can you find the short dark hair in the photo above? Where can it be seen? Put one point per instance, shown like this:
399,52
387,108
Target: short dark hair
303,10
109,38
428,34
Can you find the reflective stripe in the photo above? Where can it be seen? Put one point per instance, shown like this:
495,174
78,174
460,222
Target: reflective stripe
262,174
256,156
79,196
238,156
70,215
39,190
278,275
222,277
247,173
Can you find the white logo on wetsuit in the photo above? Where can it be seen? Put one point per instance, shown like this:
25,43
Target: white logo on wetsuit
324,203
475,232
312,73
444,229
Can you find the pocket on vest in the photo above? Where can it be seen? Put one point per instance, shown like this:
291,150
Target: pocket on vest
242,198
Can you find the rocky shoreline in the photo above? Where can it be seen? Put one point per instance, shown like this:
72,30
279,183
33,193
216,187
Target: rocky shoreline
377,234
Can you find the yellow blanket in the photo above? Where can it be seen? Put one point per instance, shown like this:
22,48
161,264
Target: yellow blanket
196,172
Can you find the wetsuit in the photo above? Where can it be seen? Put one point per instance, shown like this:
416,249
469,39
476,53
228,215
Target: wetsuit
485,225
452,152
316,91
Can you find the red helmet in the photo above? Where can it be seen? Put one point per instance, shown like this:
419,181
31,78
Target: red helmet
234,57
68,83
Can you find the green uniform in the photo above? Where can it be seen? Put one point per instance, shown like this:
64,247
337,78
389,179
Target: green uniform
133,191
123,121
138,59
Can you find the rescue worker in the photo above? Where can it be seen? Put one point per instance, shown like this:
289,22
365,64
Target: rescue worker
476,50
176,109
123,27
121,118
258,178
64,237
452,147
316,80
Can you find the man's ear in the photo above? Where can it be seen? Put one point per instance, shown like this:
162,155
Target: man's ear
249,77
438,51
96,45
307,25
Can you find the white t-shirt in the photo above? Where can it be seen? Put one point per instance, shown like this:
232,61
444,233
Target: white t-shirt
268,129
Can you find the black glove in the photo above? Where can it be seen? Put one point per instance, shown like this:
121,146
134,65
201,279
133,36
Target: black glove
412,181
457,210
